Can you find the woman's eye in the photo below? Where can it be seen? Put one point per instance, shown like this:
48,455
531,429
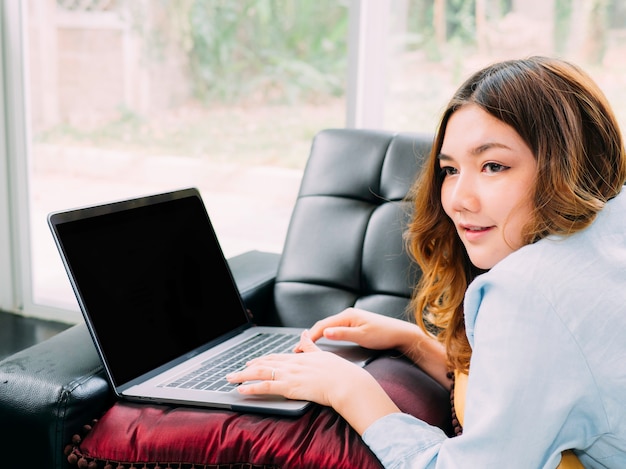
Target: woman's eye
448,171
494,168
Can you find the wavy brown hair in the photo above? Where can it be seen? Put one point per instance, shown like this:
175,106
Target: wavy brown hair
567,122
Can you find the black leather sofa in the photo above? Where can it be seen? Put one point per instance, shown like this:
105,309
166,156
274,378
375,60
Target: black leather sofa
344,248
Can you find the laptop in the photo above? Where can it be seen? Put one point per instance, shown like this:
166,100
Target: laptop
162,306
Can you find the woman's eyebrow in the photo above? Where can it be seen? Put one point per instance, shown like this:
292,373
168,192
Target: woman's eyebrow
476,151
487,146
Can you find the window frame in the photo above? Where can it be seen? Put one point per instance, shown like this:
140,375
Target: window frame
12,191
367,32
16,289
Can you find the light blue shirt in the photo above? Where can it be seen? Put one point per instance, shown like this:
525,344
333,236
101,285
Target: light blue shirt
547,326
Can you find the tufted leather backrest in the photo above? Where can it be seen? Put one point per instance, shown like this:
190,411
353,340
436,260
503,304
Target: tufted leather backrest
344,246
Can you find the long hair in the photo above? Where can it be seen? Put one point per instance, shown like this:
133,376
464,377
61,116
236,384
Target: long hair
568,124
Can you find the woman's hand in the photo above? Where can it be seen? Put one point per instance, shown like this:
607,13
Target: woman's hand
378,332
314,376
321,377
369,330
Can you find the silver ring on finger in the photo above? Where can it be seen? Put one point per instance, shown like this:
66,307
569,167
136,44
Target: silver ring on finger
273,374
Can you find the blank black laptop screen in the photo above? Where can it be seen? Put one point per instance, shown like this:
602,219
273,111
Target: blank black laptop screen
153,281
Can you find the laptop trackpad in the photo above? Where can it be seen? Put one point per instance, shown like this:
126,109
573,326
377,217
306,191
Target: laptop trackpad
348,350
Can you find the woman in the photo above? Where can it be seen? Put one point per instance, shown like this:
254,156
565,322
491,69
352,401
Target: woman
520,230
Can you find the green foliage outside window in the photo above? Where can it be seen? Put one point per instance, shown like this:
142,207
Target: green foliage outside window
282,49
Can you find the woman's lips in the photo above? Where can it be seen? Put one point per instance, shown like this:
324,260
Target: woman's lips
475,232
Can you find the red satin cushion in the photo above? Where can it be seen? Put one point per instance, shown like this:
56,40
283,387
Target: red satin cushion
149,435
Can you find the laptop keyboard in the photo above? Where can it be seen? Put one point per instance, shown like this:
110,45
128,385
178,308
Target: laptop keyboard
210,376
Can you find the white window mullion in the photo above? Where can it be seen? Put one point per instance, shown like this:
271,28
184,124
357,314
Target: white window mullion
8,287
16,270
367,62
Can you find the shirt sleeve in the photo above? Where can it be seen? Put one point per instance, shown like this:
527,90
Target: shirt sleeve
403,441
528,384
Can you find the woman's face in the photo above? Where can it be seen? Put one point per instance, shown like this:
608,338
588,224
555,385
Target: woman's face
489,173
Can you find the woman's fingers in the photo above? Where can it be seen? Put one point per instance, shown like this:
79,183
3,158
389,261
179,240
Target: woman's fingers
307,376
259,379
306,344
317,331
347,319
266,368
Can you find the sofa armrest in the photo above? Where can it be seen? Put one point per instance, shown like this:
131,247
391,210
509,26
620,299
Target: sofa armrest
255,273
50,390
47,393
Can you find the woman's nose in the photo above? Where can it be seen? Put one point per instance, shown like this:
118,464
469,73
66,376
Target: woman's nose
464,196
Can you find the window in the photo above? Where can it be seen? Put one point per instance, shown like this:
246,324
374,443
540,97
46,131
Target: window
129,98
109,99
434,45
